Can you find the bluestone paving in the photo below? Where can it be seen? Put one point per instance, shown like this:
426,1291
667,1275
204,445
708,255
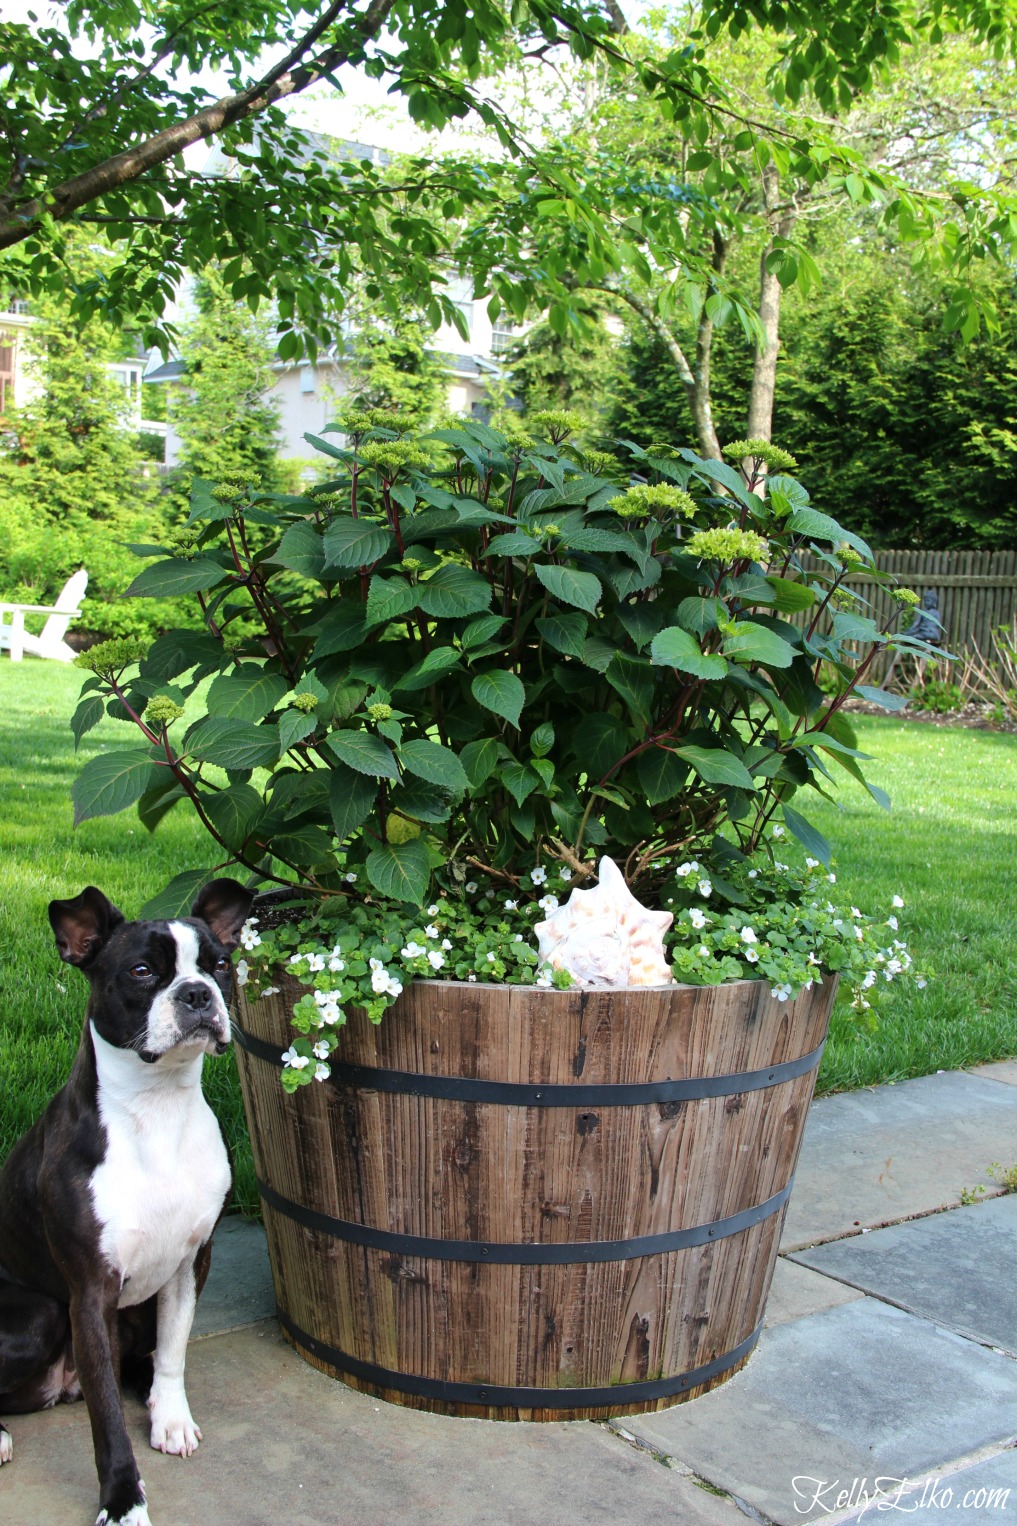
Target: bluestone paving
997,1070
873,1156
984,1493
239,1288
956,1268
796,1291
856,1391
283,1443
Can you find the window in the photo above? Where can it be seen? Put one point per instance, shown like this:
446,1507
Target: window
6,373
503,336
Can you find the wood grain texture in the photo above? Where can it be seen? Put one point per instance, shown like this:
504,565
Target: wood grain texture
534,1175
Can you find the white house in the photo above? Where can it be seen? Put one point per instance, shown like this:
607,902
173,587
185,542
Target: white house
310,393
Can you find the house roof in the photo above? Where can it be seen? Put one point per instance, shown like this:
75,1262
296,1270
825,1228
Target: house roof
317,145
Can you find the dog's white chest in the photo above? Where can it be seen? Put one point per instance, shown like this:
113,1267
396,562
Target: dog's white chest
159,1190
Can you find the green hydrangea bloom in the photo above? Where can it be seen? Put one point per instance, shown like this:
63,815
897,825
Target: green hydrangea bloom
379,712
162,710
849,556
108,657
559,422
727,546
390,457
906,596
777,460
600,463
641,502
304,702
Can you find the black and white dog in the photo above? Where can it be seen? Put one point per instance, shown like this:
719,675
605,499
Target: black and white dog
108,1203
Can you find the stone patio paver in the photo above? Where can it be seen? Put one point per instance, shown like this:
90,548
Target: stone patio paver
871,1157
239,1288
857,1391
997,1070
956,1268
796,1291
984,1494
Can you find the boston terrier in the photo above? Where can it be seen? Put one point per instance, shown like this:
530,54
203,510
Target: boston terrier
108,1203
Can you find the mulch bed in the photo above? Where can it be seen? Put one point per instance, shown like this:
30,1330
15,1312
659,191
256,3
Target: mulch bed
974,716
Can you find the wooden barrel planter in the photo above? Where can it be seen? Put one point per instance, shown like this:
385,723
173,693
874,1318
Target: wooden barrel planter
533,1204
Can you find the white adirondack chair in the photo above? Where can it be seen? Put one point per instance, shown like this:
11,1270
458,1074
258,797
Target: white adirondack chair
15,639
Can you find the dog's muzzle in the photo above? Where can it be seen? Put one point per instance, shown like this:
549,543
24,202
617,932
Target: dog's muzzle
201,1016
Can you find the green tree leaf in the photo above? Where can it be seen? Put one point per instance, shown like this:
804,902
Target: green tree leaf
661,774
479,760
111,782
754,643
439,661
566,633
388,598
717,766
500,692
88,714
811,839
233,812
454,591
351,798
301,550
233,744
248,693
178,896
400,870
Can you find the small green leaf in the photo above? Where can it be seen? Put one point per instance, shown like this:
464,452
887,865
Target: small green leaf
170,579
233,812
388,598
500,692
542,740
674,647
159,798
400,870
754,643
178,897
520,780
293,727
822,527
364,752
810,838
792,595
439,661
579,588
435,764
341,629
301,550
88,714
661,774
632,678
481,631
514,543
111,782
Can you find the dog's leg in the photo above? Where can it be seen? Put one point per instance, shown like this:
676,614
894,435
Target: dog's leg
96,1354
173,1429
33,1339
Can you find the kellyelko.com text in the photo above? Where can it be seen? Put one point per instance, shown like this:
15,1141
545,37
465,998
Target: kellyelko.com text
863,1494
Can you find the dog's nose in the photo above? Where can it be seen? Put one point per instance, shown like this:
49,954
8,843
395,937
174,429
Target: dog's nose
197,996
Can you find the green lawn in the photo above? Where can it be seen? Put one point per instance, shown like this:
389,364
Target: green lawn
949,847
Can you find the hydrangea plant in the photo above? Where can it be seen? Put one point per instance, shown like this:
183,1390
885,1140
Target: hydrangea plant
468,654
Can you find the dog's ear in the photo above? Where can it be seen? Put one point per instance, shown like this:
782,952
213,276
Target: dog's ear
83,925
224,906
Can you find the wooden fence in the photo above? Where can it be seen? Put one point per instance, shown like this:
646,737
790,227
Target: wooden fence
977,593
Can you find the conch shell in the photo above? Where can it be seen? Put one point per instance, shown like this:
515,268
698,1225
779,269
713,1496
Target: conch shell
604,937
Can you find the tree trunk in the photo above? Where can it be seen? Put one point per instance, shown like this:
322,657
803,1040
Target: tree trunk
764,369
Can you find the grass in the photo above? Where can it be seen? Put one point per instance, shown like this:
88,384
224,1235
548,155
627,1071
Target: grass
949,847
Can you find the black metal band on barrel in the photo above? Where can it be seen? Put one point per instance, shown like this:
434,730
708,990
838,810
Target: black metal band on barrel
520,1094
498,1253
519,1398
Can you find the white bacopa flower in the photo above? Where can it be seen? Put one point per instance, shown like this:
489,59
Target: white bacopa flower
778,831
705,888
435,959
335,963
518,938
294,1060
315,962
446,943
296,958
320,1050
321,1072
893,967
241,970
752,956
379,980
748,936
249,935
859,933
855,912
413,951
470,886
778,865
566,874
780,993
812,960
491,958
892,923
511,905
376,964
697,918
545,977
432,911
430,931
471,979
323,998
898,901
703,951
548,903
684,870
753,874
868,980
270,991
538,875
812,863
921,984
350,878
832,878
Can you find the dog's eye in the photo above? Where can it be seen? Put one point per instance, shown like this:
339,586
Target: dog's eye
222,964
139,971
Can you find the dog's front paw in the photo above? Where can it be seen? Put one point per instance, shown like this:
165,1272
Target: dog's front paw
6,1445
174,1433
126,1507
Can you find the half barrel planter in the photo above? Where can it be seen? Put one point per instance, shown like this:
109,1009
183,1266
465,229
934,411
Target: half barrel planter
533,1204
